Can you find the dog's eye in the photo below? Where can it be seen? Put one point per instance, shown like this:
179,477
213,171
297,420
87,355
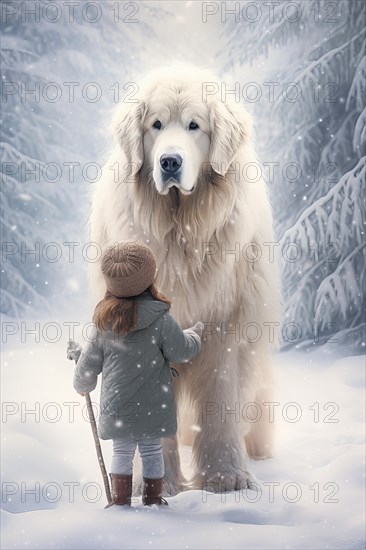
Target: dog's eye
193,126
157,125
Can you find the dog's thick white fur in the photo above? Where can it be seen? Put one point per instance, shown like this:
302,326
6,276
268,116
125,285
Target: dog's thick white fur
207,219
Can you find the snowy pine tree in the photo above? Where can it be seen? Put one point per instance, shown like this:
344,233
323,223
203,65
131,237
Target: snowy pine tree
55,65
317,49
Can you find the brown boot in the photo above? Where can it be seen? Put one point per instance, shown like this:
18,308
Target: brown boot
152,492
121,488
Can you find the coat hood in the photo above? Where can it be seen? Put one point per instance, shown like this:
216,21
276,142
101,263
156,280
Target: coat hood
149,310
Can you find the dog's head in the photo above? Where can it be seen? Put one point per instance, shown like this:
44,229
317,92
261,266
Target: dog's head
176,128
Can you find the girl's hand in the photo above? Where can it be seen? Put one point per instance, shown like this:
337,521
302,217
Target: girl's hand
83,394
73,351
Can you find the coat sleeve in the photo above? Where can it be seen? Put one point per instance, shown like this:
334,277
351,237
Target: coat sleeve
178,345
89,365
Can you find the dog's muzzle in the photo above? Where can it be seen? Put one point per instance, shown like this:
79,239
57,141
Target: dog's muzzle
171,165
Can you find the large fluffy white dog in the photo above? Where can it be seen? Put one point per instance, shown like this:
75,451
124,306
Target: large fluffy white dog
184,178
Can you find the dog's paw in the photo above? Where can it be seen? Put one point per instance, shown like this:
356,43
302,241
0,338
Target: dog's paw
171,488
225,480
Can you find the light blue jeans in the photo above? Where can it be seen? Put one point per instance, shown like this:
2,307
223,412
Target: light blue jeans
151,453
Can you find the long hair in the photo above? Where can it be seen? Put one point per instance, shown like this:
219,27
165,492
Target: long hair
120,314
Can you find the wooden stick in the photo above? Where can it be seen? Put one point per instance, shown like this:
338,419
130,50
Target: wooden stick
73,353
98,449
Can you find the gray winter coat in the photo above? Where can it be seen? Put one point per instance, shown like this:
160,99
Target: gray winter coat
137,397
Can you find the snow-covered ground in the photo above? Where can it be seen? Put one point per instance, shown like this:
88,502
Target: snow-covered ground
311,495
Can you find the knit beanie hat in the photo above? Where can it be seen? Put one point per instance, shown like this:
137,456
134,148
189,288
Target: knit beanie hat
128,268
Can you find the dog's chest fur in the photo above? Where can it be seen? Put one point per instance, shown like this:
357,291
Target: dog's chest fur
191,274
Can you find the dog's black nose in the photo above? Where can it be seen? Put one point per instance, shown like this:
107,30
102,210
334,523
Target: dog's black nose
170,164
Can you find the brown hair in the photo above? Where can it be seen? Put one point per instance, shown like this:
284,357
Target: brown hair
120,314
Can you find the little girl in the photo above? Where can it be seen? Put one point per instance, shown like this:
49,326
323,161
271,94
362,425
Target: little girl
133,340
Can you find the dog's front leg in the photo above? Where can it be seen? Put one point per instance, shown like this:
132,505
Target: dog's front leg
174,480
219,453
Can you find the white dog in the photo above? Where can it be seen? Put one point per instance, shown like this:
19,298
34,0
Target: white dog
184,178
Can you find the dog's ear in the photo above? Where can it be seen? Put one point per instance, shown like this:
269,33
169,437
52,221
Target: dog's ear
231,126
128,126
